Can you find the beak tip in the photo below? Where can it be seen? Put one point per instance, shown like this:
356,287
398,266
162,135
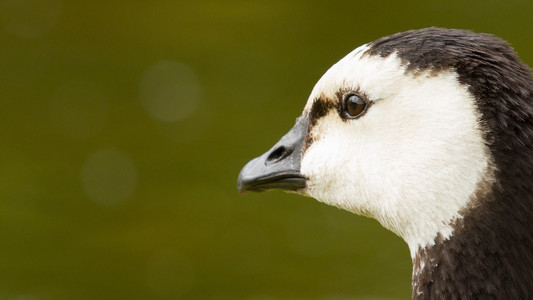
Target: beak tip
241,187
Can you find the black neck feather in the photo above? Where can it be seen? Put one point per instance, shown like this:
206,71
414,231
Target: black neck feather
489,256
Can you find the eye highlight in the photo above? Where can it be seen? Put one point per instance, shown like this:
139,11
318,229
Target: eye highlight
354,105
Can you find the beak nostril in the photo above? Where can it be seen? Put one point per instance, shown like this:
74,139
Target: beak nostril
277,154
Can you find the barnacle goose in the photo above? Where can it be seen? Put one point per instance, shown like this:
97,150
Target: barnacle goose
430,132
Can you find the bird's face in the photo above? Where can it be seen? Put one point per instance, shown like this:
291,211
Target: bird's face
405,148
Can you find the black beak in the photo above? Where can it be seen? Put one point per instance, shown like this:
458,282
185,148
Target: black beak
279,167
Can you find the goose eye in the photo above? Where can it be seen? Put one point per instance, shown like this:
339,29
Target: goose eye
354,105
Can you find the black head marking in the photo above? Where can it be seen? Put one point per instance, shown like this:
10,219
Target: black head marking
322,106
487,64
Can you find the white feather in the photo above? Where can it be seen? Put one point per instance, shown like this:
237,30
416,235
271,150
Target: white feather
412,162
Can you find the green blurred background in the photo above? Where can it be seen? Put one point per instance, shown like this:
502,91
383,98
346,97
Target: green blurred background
124,126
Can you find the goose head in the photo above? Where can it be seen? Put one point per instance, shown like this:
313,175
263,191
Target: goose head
416,130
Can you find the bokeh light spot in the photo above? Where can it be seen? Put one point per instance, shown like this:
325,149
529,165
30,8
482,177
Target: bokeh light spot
79,109
29,18
170,91
108,177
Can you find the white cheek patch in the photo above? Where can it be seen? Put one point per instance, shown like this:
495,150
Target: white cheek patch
413,161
